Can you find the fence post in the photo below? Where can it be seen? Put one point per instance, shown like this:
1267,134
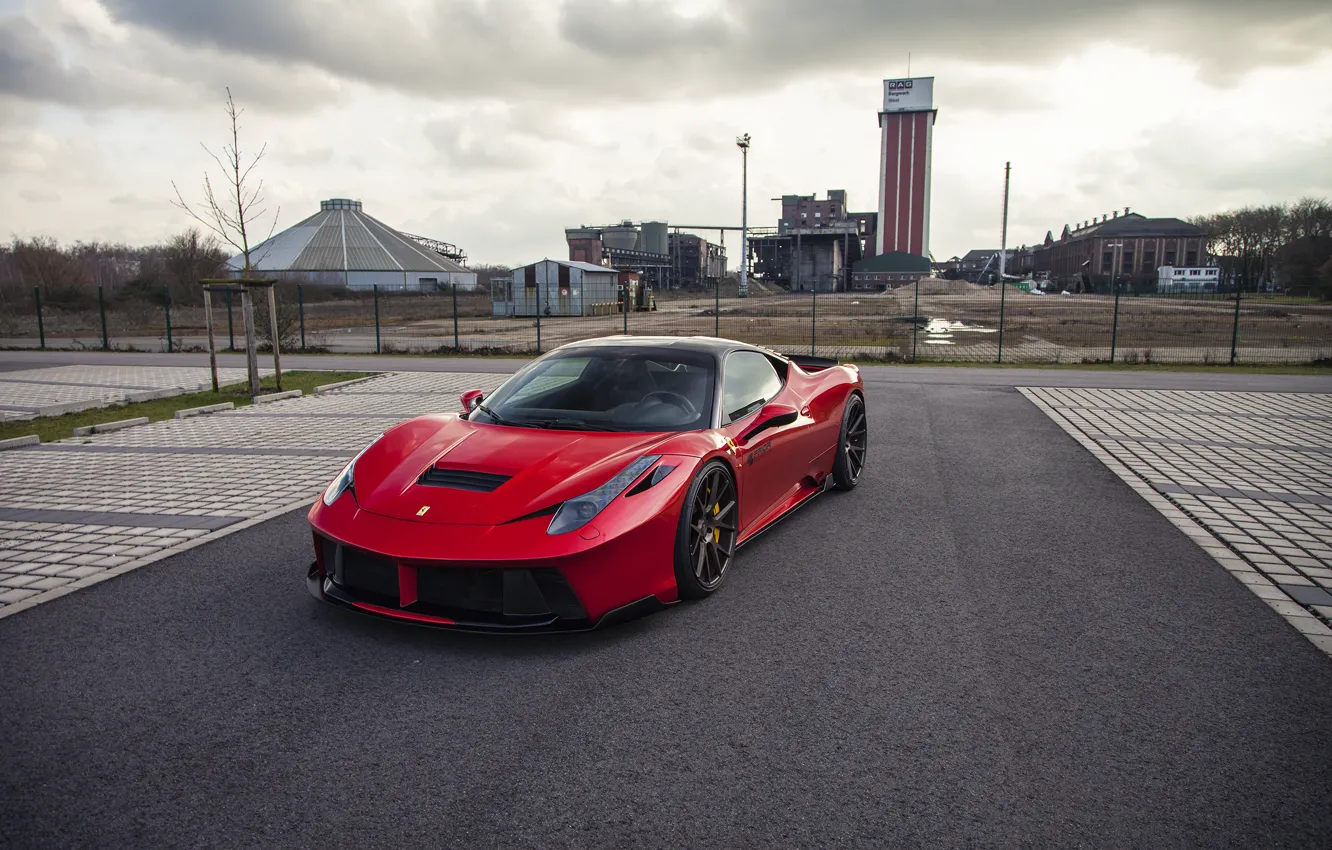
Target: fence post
1234,333
1114,328
538,312
376,288
101,308
1003,290
231,330
41,328
457,348
716,308
915,321
300,308
166,305
624,308
813,315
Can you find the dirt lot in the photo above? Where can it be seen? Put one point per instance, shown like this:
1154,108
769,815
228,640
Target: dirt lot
939,323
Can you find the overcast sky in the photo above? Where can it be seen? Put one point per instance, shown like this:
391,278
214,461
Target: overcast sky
495,124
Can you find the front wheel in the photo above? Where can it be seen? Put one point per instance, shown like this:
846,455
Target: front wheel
705,541
851,445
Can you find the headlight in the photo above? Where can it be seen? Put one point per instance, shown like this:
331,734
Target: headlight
576,513
343,482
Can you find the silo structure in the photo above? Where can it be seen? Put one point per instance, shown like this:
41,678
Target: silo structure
621,237
654,237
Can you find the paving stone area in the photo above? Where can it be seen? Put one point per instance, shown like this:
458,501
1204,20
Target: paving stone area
1247,475
81,510
28,393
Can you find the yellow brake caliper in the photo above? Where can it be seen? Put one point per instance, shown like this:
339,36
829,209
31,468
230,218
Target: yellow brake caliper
716,532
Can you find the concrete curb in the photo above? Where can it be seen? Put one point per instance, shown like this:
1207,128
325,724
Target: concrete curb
154,395
20,442
340,384
108,427
265,399
64,590
208,408
1301,620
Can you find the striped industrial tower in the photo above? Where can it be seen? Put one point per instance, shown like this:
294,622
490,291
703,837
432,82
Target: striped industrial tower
907,128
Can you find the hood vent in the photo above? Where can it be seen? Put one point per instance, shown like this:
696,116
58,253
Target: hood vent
462,479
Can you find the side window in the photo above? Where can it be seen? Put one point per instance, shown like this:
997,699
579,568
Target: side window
750,381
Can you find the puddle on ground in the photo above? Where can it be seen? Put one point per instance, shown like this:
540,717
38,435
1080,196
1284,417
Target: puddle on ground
943,326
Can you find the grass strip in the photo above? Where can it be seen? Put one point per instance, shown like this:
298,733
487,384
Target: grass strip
50,428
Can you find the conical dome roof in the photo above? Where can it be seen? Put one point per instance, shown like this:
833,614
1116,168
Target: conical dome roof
342,238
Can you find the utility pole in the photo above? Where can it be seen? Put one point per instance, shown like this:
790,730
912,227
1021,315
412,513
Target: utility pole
742,142
1003,230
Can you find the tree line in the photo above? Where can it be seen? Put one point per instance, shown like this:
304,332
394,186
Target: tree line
69,276
1274,247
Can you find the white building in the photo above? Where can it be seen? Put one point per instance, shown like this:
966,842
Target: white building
1196,279
340,244
556,288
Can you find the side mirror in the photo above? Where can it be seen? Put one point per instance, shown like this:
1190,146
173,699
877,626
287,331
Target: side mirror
771,416
471,399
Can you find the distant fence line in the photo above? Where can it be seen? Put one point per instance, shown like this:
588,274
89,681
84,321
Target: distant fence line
930,322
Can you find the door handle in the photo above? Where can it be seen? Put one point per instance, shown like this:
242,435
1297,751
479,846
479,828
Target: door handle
804,411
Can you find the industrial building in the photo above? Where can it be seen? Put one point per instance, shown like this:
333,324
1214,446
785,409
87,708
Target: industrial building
889,271
342,245
557,288
1127,248
659,255
695,262
906,129
814,244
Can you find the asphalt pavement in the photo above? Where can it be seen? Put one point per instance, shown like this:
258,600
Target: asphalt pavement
991,642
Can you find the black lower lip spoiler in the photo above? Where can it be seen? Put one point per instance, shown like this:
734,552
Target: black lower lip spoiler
324,591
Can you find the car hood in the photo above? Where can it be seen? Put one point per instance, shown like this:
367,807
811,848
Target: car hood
542,468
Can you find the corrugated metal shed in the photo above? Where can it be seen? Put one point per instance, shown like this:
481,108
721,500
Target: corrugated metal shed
342,239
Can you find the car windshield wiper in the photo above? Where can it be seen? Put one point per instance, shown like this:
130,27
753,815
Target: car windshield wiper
570,425
496,419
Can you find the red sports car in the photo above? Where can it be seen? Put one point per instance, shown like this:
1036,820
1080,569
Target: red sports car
605,480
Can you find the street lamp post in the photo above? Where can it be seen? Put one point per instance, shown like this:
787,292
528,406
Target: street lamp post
1114,256
742,142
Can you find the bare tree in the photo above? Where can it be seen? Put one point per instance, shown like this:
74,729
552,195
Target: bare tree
230,214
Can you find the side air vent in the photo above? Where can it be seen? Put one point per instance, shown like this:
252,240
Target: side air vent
462,479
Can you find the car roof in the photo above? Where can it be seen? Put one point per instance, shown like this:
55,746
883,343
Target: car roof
707,344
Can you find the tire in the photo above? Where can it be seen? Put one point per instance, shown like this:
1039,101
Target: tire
707,532
852,444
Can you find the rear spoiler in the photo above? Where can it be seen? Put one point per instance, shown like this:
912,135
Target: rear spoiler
810,363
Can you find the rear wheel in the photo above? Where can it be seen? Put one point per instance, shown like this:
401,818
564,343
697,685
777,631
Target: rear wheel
705,541
851,445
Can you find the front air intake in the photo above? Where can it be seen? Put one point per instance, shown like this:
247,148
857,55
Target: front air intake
462,479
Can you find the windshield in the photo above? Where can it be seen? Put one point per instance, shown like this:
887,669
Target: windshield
607,389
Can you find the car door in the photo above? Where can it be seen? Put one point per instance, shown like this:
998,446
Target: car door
766,459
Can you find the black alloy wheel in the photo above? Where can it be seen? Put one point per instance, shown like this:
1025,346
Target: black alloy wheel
852,446
708,531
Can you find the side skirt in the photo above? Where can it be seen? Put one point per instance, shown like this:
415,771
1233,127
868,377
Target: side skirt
782,514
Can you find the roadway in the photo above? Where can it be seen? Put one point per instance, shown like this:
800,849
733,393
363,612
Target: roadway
886,375
991,642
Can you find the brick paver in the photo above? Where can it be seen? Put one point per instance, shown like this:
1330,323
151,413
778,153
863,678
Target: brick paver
80,510
1247,475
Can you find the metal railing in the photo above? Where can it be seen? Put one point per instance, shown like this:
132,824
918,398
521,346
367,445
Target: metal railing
934,321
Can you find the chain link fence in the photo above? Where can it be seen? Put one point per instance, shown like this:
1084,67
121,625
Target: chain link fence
931,321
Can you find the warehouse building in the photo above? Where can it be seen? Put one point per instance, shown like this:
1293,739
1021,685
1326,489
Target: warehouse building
341,245
557,288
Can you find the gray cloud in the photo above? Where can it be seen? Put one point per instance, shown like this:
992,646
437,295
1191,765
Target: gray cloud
639,49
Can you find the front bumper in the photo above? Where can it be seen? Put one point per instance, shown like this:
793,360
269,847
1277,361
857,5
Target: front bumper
507,578
325,590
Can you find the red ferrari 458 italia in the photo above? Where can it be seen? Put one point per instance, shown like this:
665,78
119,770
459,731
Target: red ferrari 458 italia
605,480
